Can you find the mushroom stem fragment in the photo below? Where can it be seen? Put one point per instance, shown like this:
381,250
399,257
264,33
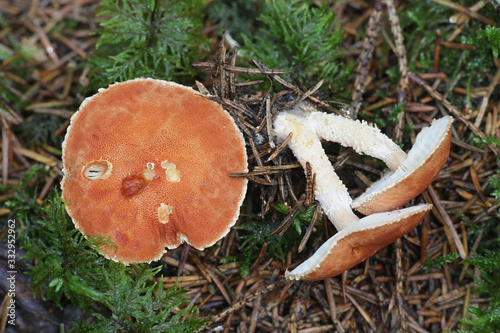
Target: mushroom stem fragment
329,189
359,135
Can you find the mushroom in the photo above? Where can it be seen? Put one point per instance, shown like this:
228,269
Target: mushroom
357,242
357,239
425,159
147,164
410,174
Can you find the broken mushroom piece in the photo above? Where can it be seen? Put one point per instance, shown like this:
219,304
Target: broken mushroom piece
410,174
147,164
357,242
425,159
357,239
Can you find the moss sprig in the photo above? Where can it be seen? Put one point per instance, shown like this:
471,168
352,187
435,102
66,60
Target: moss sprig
298,37
150,38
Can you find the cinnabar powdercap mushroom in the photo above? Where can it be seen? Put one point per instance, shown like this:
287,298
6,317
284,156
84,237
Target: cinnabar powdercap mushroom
147,164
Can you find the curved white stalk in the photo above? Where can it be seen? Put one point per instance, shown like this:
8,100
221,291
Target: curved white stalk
329,189
361,136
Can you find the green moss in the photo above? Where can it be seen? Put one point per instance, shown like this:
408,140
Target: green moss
488,283
440,261
65,267
421,21
238,17
300,38
253,235
151,38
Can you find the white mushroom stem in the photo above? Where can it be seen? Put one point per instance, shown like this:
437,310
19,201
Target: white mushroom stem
359,135
329,189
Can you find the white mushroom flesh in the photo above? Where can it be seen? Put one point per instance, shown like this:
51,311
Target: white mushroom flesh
164,212
171,171
95,170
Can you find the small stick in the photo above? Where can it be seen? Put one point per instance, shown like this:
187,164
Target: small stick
364,314
308,93
310,178
238,305
269,122
458,45
280,147
403,65
304,240
290,186
331,300
437,50
255,314
248,83
204,65
448,222
5,152
400,50
253,71
372,30
465,11
285,224
400,296
424,239
11,114
232,77
221,59
276,168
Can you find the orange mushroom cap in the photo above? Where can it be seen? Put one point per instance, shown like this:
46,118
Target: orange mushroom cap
357,242
147,164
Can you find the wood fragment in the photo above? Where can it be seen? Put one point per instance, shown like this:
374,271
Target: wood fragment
365,59
362,311
448,223
458,46
465,11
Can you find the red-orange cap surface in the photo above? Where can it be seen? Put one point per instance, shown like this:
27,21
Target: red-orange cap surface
147,164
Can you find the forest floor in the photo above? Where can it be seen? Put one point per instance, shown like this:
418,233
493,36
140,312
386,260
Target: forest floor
418,284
